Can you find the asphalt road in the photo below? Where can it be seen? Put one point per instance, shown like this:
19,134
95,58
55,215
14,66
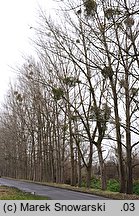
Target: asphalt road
52,192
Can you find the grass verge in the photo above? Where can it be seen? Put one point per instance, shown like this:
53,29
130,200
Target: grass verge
98,192
10,193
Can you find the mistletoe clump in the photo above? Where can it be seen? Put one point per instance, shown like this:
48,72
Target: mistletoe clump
18,96
134,91
110,12
100,114
107,72
122,83
90,7
71,81
58,93
129,22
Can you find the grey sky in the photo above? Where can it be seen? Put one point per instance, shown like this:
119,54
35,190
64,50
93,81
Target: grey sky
16,17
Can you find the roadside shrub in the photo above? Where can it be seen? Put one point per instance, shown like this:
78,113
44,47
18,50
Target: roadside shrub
136,187
83,183
113,185
95,183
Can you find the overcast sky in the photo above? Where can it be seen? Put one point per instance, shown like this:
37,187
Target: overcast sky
16,17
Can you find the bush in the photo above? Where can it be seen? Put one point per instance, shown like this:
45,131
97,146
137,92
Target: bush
83,183
136,187
95,183
113,185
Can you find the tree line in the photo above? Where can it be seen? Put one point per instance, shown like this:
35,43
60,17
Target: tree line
78,102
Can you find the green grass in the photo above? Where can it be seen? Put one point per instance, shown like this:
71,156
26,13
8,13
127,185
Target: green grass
112,185
9,193
99,192
136,187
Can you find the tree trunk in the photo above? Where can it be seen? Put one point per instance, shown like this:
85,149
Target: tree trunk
102,170
71,145
129,178
88,178
129,183
89,166
79,169
118,137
